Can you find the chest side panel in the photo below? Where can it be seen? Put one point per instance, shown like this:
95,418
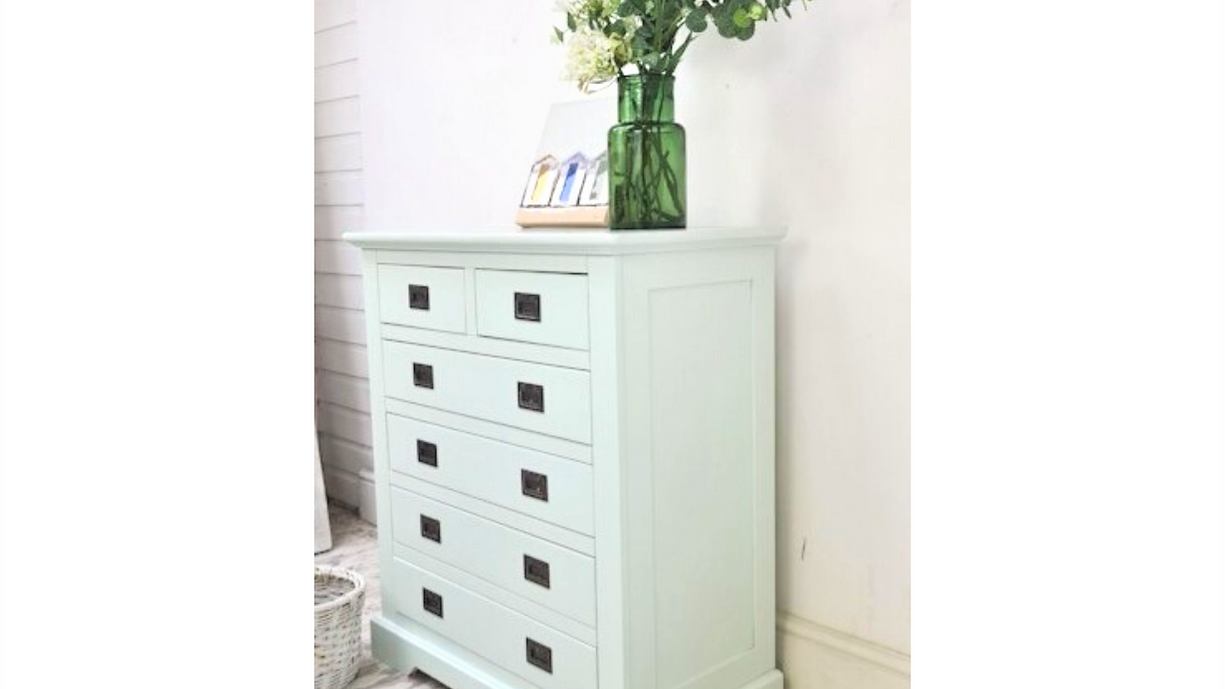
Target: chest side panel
697,457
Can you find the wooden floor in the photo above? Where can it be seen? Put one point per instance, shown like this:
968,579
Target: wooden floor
354,546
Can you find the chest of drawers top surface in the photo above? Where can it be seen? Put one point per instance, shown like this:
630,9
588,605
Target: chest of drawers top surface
573,448
587,242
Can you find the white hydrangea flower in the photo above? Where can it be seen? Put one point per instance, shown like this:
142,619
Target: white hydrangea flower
590,58
632,24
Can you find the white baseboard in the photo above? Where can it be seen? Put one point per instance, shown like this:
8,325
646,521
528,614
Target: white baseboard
352,490
365,497
342,486
814,656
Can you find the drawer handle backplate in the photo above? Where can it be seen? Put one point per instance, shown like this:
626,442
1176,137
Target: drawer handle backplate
540,655
534,485
423,376
432,602
427,453
431,528
527,307
531,397
536,571
419,297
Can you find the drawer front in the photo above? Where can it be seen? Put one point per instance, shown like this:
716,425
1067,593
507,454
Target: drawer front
537,570
546,308
494,472
495,632
422,297
545,399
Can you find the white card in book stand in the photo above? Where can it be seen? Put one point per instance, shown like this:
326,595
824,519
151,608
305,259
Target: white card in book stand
595,185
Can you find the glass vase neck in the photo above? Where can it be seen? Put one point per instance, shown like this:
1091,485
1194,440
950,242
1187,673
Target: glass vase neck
645,98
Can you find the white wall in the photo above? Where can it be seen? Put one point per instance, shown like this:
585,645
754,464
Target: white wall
807,125
341,390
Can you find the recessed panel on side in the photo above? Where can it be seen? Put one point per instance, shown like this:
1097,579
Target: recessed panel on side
701,397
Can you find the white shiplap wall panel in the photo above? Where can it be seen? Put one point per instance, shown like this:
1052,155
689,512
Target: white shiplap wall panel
342,389
338,187
337,153
344,325
347,456
344,423
339,116
341,357
337,256
335,45
333,221
336,81
333,13
344,291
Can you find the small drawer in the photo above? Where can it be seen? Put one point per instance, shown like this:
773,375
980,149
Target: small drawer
545,399
422,297
548,574
493,471
546,308
543,656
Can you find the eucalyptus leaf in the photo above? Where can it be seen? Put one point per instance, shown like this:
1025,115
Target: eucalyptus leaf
696,21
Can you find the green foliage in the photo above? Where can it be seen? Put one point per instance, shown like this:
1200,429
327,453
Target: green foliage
696,20
644,33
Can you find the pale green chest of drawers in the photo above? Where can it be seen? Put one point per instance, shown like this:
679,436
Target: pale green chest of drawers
574,457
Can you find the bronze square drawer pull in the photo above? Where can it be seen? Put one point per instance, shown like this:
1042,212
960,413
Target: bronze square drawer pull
431,529
531,397
427,453
536,571
419,297
527,307
423,376
540,655
432,602
534,485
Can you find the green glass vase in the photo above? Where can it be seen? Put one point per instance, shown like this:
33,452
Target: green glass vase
646,157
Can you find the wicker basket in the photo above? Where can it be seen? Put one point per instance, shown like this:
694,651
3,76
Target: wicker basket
339,597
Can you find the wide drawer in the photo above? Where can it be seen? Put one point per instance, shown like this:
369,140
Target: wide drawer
537,570
546,399
537,653
547,308
540,485
422,297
